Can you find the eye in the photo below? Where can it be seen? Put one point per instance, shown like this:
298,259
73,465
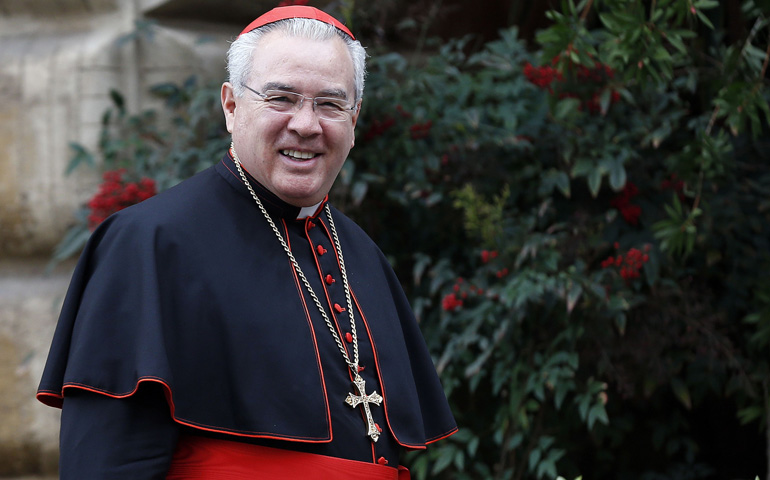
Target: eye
329,104
281,98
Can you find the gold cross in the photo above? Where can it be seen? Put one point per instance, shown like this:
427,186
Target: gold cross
363,398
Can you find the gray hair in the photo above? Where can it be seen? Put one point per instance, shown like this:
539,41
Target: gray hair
240,54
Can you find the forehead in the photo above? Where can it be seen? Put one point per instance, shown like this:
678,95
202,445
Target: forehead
307,65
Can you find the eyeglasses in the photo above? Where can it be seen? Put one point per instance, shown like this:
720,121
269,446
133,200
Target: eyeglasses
289,103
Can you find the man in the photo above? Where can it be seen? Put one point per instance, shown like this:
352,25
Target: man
217,330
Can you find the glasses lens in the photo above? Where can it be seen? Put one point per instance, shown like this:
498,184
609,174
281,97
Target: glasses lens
288,103
283,102
332,109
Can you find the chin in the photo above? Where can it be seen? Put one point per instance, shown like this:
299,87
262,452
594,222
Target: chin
302,197
299,200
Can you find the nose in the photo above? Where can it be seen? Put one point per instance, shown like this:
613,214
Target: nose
305,121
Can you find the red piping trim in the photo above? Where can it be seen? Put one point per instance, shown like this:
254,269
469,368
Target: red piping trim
169,399
428,441
228,167
374,453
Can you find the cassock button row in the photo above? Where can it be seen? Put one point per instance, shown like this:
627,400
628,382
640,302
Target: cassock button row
349,337
321,250
329,279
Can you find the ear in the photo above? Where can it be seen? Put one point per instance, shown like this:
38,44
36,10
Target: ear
357,112
355,119
228,105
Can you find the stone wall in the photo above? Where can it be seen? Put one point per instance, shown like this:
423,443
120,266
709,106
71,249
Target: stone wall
55,79
30,302
58,61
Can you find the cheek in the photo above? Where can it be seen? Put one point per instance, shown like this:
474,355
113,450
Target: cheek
345,139
242,122
250,130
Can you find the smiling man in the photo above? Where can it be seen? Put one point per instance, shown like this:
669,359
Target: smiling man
217,330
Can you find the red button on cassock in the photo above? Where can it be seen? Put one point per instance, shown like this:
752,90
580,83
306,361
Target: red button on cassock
349,337
321,250
329,279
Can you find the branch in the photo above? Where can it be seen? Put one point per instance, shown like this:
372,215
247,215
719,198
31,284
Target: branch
764,65
585,11
699,189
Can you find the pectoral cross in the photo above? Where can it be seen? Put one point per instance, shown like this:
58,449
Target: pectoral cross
363,398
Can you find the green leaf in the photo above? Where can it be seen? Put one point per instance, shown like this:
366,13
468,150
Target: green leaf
583,167
563,184
566,109
618,176
534,458
750,414
703,18
597,413
555,178
573,295
81,155
681,392
443,461
595,182
74,241
118,100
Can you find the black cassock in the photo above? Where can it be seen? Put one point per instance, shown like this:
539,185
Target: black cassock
187,303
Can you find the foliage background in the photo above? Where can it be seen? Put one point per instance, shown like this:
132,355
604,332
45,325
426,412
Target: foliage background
581,218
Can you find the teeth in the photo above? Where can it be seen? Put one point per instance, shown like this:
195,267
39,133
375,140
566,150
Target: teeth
298,154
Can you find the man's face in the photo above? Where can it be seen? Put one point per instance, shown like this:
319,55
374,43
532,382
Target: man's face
273,146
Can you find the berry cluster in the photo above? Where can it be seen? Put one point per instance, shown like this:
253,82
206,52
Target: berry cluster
487,255
622,202
628,265
673,183
379,127
462,290
542,76
583,83
116,194
450,302
420,130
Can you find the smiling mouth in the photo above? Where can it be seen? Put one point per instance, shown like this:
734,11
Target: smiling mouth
297,155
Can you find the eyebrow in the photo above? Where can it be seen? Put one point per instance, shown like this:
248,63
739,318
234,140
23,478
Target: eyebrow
332,92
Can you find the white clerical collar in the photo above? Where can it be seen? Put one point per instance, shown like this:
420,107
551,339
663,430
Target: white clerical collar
305,212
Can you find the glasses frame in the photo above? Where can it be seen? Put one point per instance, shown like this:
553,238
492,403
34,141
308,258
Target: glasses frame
301,102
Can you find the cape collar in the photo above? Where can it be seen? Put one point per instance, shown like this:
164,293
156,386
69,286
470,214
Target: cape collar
274,205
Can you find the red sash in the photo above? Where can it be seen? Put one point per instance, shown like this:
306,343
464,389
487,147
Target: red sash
201,458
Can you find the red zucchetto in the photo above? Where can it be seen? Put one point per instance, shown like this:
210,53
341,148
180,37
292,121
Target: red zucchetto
295,11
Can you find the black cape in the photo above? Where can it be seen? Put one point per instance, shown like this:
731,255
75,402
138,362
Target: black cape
192,290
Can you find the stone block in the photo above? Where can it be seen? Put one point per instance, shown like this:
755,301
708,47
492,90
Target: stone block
31,300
